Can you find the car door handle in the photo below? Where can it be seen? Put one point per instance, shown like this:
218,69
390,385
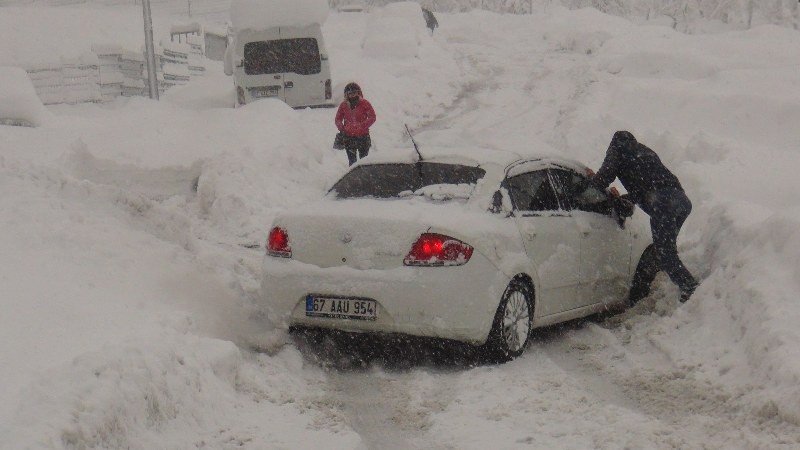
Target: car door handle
288,84
530,234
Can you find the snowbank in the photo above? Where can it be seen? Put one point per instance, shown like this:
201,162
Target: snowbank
395,31
177,391
39,36
262,14
18,100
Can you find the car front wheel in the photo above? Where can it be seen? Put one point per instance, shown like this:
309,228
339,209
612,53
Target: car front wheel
511,329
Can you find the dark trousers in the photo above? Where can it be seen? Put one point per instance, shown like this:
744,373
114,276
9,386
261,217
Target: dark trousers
357,147
669,208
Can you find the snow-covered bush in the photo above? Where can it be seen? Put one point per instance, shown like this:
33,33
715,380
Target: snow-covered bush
19,104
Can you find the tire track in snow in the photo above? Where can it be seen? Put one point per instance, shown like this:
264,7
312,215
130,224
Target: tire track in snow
692,412
376,381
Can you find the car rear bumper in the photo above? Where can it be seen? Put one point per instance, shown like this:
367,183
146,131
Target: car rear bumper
457,302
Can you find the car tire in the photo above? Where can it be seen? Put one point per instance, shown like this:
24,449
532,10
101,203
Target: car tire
646,271
512,325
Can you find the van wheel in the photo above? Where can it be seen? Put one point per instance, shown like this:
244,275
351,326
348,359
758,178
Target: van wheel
511,329
645,273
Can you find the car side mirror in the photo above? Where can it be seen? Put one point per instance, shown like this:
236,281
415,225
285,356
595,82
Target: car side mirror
497,202
240,63
500,203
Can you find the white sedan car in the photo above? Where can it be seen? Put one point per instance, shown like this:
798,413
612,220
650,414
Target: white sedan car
479,249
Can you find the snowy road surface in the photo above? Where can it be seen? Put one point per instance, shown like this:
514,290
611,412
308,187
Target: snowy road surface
130,315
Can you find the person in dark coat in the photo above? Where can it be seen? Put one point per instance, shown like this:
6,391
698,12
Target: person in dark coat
658,193
353,119
430,19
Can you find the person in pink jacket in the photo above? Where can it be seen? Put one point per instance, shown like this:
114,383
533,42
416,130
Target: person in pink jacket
353,119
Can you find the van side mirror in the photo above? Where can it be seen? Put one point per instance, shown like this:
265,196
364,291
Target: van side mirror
323,57
240,63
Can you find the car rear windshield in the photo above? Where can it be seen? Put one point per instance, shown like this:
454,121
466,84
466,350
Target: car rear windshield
399,180
299,56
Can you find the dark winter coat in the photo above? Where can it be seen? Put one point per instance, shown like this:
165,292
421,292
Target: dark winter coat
638,168
355,121
430,19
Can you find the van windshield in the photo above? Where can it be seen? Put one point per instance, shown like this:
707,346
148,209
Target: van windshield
300,56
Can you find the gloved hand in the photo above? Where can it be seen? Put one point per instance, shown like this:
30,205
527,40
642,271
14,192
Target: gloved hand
623,206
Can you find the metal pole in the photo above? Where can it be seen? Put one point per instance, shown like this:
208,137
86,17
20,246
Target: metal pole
150,55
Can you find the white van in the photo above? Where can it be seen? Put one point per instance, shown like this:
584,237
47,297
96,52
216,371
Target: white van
289,63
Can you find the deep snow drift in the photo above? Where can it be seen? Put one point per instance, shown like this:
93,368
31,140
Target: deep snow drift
130,302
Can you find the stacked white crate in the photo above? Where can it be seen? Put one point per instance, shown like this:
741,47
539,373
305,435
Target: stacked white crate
80,79
215,39
195,57
173,62
110,72
131,66
46,79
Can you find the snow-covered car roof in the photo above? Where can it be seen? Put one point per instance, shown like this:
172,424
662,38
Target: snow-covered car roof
512,162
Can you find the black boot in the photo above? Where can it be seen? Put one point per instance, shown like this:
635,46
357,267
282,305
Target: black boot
687,293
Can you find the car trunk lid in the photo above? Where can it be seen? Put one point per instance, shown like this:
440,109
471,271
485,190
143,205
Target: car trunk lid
359,242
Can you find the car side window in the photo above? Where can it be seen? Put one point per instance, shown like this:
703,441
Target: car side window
589,199
532,191
564,188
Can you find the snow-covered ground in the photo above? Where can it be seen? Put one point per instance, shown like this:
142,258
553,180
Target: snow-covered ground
129,302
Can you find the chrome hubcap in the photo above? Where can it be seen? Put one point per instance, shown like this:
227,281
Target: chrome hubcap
516,321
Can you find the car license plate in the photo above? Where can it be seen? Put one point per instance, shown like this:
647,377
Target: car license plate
270,91
341,307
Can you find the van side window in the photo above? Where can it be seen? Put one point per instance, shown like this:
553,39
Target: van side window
300,56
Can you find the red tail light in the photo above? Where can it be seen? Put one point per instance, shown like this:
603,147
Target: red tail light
438,250
328,90
278,243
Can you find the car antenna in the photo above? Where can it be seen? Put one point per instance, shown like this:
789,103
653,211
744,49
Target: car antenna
414,142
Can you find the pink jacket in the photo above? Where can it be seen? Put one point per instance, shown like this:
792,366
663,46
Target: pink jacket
355,121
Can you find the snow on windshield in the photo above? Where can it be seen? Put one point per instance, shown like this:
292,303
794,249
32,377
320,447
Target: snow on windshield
446,191
262,14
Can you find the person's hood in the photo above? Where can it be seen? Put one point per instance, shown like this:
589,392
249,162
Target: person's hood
622,140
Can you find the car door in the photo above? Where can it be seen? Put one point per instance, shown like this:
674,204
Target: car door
551,240
605,245
304,77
